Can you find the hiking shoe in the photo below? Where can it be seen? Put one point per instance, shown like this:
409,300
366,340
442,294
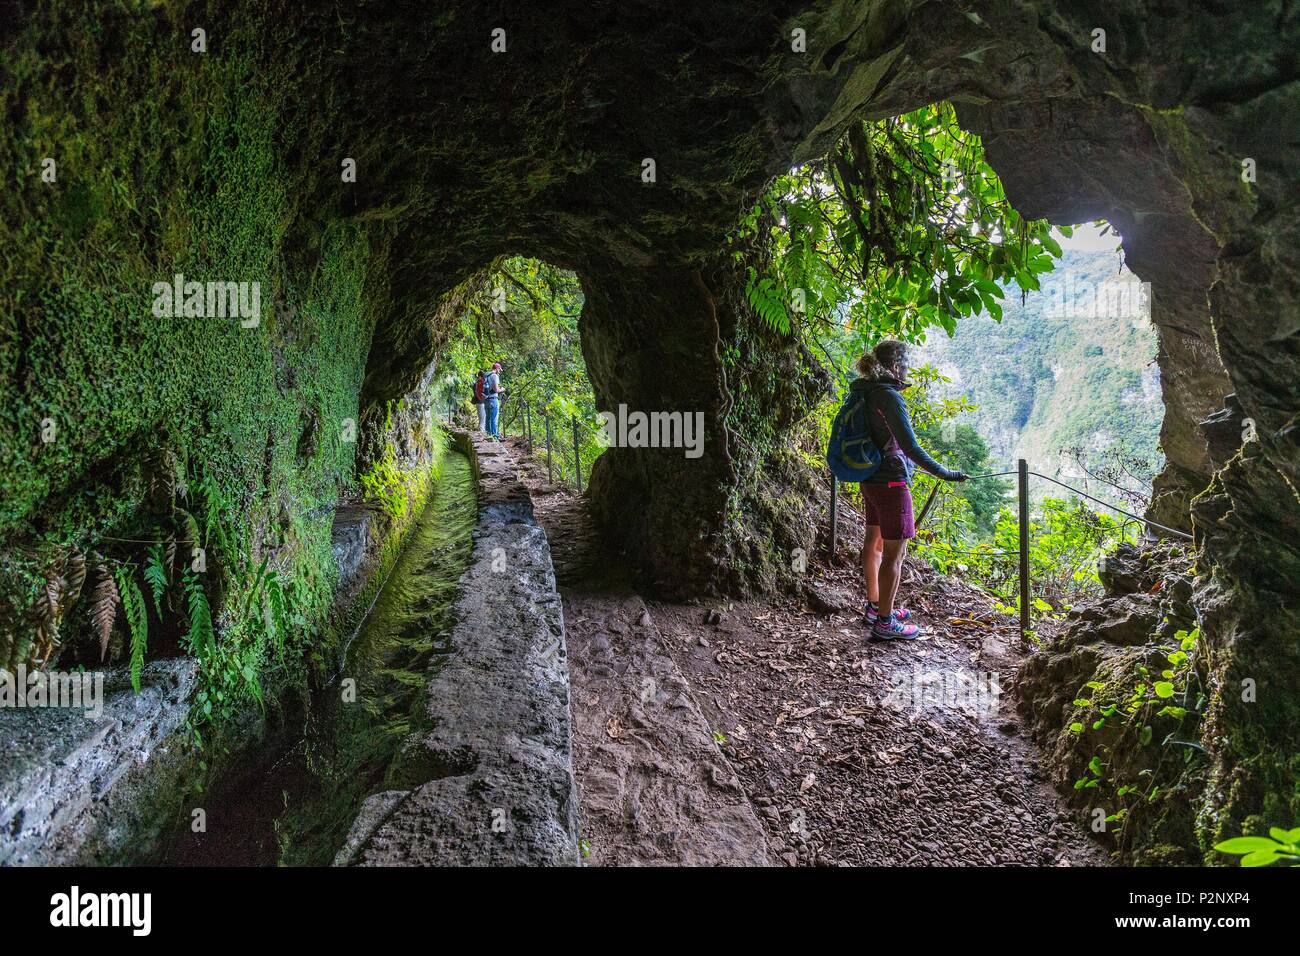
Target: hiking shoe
894,630
873,611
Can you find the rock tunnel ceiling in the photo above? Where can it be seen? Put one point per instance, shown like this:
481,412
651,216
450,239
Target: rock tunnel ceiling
464,153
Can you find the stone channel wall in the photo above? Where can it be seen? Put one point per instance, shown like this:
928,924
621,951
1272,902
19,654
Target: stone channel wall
95,788
109,787
488,769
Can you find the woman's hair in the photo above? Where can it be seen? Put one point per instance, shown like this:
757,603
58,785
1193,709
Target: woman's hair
879,362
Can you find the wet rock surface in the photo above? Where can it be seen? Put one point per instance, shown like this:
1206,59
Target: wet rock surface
487,769
351,541
76,788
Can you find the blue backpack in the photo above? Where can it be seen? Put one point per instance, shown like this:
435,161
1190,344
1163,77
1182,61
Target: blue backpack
851,453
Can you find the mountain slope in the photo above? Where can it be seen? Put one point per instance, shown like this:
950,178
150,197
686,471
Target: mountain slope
1073,365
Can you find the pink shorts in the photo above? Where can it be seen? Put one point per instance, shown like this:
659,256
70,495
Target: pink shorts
889,507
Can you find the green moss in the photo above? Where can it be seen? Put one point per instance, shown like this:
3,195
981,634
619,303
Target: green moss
173,162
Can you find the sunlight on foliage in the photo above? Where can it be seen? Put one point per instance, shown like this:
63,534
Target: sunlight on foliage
902,227
526,317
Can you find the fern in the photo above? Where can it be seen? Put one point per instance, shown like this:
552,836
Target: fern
76,576
46,613
767,305
214,506
199,637
155,575
137,618
105,600
191,529
256,586
277,618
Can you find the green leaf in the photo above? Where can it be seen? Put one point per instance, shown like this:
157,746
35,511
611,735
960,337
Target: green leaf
137,619
1259,858
199,637
1246,844
155,575
1164,689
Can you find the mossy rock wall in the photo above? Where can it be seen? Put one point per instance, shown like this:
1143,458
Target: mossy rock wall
167,161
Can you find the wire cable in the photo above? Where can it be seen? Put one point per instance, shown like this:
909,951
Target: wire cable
1084,494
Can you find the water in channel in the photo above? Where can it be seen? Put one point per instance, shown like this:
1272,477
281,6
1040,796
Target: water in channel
293,802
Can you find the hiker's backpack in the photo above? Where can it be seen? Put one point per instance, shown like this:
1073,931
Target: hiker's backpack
478,390
851,454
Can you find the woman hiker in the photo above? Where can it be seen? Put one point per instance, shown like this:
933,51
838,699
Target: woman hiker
480,399
886,496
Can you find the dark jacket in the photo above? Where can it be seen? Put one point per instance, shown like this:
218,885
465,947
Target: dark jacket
891,430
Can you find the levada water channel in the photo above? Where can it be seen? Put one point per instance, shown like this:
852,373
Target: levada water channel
293,802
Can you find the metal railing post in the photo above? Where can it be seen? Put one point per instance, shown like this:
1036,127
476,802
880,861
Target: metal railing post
835,515
1023,494
577,454
449,400
550,473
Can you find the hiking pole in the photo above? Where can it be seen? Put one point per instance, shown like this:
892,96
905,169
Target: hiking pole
1023,496
835,514
925,508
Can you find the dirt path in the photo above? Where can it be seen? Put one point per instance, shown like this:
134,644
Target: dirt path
654,787
762,732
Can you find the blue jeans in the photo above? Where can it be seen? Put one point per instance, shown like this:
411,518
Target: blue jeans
493,408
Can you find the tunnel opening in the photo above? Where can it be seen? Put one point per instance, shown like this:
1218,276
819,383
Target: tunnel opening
525,317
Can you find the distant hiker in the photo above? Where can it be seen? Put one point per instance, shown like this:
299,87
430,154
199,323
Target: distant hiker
872,442
492,392
479,399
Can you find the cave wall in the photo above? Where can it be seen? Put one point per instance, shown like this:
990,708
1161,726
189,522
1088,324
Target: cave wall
650,341
680,339
170,161
1182,98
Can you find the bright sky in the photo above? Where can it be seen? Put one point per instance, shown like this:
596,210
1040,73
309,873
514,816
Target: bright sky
1088,238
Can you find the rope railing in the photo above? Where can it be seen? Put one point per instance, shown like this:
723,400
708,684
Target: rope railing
563,446
1022,474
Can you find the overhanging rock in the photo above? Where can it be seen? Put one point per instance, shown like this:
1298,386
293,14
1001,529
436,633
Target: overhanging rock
487,774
